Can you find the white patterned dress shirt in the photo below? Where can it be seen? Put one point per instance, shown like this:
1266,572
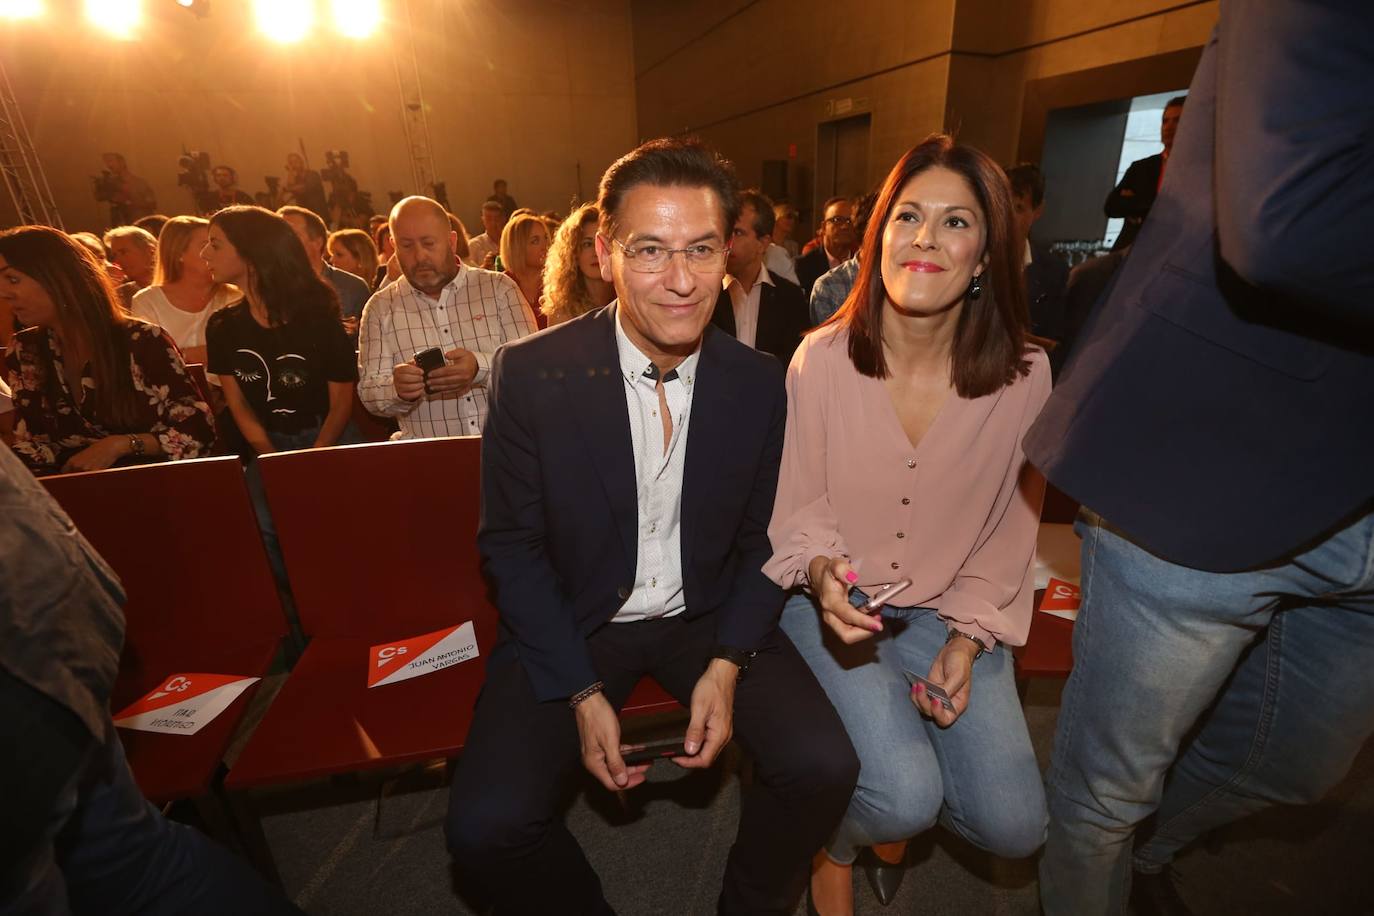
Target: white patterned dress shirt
478,310
658,480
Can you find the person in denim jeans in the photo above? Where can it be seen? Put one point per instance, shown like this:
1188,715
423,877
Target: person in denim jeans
1214,416
902,460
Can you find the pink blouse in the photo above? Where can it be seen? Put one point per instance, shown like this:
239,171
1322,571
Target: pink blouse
958,514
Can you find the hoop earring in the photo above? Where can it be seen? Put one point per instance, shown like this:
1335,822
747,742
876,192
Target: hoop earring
975,288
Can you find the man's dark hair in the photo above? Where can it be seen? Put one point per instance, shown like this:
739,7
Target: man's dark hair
493,205
1027,178
670,162
764,218
841,199
1176,102
314,226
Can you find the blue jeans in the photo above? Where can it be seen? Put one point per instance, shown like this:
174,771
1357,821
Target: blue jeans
1271,666
978,777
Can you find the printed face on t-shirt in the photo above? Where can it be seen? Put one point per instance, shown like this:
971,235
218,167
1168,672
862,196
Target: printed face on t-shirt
283,377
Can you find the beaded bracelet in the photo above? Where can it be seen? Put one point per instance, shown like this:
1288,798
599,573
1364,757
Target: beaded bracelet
586,694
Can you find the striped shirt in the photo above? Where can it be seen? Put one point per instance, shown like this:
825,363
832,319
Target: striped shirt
477,311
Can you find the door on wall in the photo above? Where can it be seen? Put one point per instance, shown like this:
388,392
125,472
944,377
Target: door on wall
842,159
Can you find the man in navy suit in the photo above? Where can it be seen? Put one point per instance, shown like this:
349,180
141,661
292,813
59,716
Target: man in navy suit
1215,419
763,310
629,464
1135,194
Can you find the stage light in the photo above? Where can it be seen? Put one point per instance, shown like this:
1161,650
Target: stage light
284,21
356,18
21,9
118,18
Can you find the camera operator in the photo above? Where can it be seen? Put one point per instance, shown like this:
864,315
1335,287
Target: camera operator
226,192
303,187
348,207
129,196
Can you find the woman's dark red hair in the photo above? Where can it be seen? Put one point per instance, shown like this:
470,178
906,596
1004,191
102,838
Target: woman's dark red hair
989,349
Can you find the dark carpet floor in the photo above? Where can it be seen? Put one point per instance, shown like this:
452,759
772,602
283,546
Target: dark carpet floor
376,846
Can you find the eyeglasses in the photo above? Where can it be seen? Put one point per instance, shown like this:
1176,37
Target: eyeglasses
840,220
653,259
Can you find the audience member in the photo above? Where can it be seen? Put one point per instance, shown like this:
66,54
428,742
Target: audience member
92,243
1134,195
353,251
1047,274
134,199
352,291
762,311
573,284
304,187
498,194
465,312
903,462
599,593
386,255
1210,419
524,249
226,191
486,246
461,249
183,295
152,224
282,357
833,287
92,387
1087,281
79,837
134,252
784,224
837,242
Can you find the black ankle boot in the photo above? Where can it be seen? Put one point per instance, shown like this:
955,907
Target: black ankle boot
883,877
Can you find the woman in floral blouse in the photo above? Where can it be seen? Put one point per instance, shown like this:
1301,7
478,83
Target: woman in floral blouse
134,400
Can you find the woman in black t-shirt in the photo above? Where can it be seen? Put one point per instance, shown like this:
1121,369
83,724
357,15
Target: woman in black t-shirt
286,366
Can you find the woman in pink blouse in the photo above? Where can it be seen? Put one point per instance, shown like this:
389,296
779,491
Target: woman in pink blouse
903,461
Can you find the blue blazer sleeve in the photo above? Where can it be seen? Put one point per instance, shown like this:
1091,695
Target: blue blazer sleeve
1295,150
511,540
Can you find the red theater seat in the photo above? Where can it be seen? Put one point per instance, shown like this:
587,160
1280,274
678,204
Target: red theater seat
183,538
369,569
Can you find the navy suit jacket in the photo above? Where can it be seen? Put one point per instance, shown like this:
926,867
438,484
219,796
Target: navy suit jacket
559,528
1142,180
1217,405
784,316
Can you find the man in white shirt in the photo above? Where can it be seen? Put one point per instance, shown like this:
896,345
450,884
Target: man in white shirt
465,312
766,312
629,466
488,244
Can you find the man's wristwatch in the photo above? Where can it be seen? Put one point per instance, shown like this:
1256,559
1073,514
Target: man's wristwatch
737,657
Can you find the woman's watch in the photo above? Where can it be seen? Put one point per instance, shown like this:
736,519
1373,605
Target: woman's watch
136,446
982,646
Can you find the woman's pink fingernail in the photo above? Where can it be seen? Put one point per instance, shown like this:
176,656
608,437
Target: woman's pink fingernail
852,576
919,688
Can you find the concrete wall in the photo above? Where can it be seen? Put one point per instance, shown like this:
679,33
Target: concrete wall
527,90
757,78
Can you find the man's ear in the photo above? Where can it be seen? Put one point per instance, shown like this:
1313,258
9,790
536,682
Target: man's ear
603,258
452,241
